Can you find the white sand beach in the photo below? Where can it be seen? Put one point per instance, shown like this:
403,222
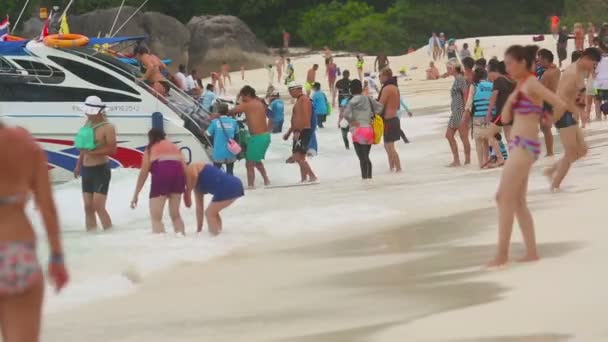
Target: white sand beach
398,258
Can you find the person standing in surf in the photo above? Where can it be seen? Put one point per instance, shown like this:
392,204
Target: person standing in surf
24,173
255,114
163,160
380,63
457,123
311,77
571,89
221,130
562,45
360,65
550,79
344,95
206,179
524,108
391,102
332,75
358,113
502,87
225,71
302,131
96,142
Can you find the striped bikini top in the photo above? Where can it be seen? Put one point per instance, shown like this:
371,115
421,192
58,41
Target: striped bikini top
524,106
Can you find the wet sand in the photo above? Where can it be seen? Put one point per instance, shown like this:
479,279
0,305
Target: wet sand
412,272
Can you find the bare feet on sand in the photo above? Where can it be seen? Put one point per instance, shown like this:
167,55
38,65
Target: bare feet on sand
498,261
454,164
529,258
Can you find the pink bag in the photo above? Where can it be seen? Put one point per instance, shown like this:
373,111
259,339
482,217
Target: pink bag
234,147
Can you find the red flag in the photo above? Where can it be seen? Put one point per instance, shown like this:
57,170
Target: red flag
45,28
4,29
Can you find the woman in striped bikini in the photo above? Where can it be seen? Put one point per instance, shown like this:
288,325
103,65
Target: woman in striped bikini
524,108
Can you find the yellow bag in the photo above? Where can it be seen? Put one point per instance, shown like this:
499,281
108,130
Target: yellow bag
378,126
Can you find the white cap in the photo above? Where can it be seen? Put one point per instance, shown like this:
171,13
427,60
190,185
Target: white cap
93,105
294,85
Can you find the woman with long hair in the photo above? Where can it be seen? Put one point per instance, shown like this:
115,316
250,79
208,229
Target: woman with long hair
23,173
457,122
525,108
164,161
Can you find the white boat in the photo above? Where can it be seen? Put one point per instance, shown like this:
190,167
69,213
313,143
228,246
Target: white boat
42,89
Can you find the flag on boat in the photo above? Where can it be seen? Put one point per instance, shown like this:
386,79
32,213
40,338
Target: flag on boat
64,28
4,27
45,28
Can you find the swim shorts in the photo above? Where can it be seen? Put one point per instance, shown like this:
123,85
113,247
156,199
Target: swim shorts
308,86
300,145
96,179
257,147
168,178
392,130
231,188
565,121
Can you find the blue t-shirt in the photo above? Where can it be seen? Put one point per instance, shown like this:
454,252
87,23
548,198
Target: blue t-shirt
278,109
319,103
207,100
220,140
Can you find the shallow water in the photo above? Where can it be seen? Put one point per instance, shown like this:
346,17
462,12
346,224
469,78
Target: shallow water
105,264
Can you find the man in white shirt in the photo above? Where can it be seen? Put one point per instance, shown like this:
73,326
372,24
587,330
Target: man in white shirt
181,78
191,83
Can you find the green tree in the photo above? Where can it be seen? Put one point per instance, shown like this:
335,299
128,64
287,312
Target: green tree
322,25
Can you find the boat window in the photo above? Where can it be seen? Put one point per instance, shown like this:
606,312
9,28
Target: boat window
20,91
93,75
44,73
5,66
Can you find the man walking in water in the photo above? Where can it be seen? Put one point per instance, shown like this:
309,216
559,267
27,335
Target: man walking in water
93,163
380,63
550,79
571,89
255,114
311,77
302,131
390,100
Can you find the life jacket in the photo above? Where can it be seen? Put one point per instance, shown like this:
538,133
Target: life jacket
481,99
85,138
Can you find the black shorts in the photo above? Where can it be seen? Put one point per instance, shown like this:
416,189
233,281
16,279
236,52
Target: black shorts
565,121
327,60
547,109
602,95
392,130
96,179
300,145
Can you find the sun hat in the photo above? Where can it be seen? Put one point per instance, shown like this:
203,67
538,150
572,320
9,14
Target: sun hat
294,85
93,105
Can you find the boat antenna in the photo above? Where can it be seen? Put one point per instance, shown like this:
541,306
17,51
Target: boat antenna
117,15
65,11
129,19
20,15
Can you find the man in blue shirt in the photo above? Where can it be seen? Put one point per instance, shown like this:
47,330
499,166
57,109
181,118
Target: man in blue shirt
208,98
277,106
